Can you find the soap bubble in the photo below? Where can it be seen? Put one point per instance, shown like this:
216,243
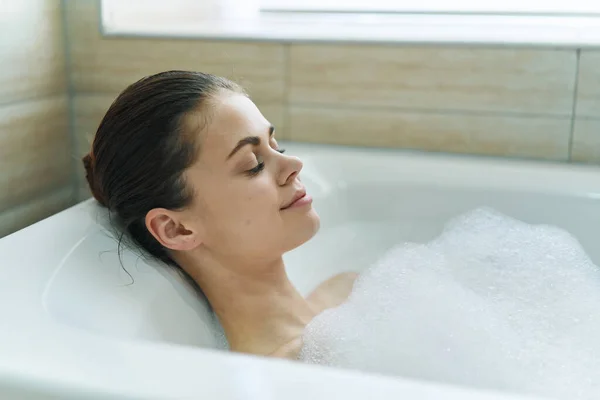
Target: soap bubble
491,303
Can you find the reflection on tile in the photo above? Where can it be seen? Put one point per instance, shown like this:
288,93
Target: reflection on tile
586,141
83,192
588,90
507,136
35,210
35,149
110,64
31,50
88,111
449,78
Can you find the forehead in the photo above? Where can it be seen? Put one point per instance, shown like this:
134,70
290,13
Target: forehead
231,117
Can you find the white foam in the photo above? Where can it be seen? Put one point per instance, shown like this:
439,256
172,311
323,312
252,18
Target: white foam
493,302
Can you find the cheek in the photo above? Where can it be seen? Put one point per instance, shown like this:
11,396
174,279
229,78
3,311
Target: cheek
251,223
258,203
247,206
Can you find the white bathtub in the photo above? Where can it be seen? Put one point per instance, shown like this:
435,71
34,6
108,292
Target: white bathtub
72,327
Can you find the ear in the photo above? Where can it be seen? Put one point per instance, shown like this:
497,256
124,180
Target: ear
167,228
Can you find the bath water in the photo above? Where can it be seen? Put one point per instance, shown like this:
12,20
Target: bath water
492,302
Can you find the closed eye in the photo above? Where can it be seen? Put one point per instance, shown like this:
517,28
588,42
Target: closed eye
261,165
256,170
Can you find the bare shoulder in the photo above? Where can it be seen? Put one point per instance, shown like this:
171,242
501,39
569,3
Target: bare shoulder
333,291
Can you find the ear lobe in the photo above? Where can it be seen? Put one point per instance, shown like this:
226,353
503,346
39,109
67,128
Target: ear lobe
168,230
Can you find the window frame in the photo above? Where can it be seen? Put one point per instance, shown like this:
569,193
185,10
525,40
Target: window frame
460,7
160,19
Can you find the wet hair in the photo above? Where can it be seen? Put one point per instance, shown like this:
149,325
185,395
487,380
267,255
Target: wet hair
144,144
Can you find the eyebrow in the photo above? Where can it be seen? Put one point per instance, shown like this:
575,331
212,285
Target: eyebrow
253,140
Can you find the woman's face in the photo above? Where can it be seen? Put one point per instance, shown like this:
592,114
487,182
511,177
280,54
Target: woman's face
244,186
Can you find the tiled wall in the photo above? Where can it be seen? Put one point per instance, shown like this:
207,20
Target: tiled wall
586,129
35,146
509,102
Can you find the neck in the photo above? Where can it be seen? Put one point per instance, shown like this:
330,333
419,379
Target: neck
259,308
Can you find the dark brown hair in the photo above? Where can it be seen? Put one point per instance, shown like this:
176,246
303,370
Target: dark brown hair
143,145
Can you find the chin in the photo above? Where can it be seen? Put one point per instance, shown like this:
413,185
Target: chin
304,229
315,222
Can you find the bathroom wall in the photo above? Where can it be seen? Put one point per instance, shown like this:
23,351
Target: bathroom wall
586,127
36,174
499,101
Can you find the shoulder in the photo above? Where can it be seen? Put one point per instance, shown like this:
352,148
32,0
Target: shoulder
332,292
340,282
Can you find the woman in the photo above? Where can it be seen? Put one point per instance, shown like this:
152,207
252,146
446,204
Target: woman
192,170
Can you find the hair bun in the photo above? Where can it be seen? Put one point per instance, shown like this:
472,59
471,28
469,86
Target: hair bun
89,175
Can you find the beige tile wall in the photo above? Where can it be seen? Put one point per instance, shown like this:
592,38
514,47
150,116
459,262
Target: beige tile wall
508,102
515,136
586,129
31,50
492,101
434,78
35,146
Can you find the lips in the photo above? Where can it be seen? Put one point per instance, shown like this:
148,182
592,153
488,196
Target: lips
297,196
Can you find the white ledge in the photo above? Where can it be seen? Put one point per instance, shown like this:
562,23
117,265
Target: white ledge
250,24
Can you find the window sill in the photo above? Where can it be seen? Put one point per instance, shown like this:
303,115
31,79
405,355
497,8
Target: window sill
502,30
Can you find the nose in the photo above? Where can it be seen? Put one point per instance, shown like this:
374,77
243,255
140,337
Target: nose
290,168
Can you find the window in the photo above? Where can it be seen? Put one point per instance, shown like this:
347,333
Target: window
532,7
571,23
